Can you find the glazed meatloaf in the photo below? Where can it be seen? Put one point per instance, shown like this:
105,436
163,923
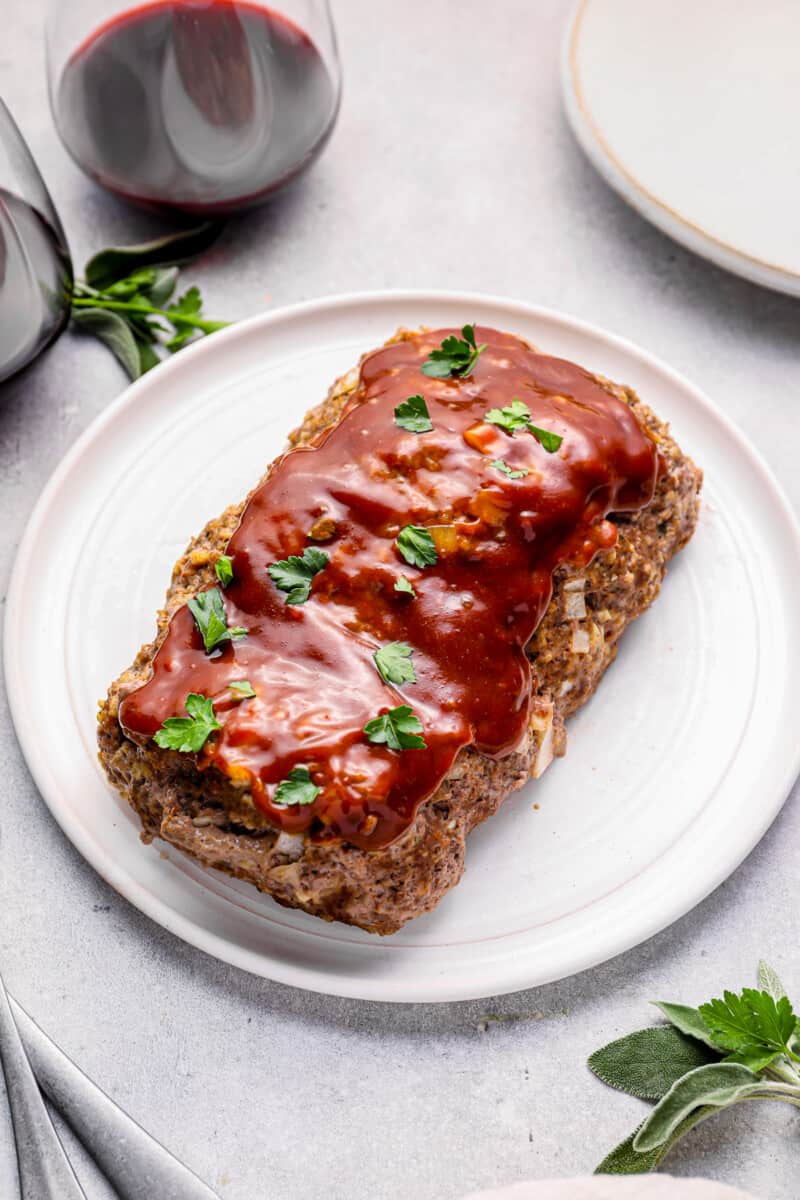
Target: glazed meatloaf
357,664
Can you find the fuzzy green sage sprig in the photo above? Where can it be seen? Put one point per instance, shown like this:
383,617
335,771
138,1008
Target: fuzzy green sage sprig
126,299
745,1046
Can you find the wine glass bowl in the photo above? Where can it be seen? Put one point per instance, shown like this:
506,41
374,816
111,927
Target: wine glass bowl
200,106
35,267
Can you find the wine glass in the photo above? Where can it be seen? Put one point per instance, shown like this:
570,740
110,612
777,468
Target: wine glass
204,106
35,267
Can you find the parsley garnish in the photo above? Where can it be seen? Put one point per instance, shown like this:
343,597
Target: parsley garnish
189,734
295,573
413,415
243,687
519,473
398,729
416,546
517,415
404,585
209,614
456,357
297,788
224,569
394,663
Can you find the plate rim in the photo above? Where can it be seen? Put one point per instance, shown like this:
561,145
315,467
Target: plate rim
622,180
313,977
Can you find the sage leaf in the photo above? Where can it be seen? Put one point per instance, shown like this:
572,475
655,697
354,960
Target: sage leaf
117,262
147,356
648,1062
624,1160
687,1020
769,982
715,1086
110,328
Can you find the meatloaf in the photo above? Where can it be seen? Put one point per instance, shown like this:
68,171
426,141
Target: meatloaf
226,818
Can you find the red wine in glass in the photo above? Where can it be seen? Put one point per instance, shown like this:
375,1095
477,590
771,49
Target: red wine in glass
206,107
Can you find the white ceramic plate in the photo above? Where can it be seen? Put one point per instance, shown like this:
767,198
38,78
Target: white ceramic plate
674,770
690,112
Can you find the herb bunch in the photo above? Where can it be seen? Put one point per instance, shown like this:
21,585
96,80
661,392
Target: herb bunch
126,299
744,1046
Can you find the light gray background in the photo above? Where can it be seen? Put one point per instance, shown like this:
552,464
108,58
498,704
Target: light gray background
451,166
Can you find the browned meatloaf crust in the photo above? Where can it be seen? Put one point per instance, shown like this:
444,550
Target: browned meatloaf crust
209,818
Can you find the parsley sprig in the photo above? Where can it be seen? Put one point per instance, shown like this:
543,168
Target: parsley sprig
455,357
394,663
295,574
209,615
124,299
404,586
189,734
517,415
513,473
399,729
413,415
739,1047
223,569
416,546
243,688
297,788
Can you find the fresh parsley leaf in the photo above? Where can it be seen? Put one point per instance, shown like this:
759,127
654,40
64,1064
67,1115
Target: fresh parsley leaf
413,415
416,546
517,415
189,734
224,569
294,574
511,472
297,788
394,663
455,357
209,614
404,585
751,1022
398,729
546,438
243,687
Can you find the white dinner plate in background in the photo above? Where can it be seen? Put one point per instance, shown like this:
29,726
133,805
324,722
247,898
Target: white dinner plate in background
674,769
690,111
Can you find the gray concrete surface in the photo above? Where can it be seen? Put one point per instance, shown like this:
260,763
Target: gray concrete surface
451,166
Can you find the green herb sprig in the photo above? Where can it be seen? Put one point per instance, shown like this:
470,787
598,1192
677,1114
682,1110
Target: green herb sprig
416,546
399,729
741,1047
412,414
297,788
455,357
394,663
501,465
208,611
295,574
124,299
517,415
404,586
189,734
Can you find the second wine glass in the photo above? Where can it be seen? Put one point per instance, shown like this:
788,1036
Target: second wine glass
205,106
